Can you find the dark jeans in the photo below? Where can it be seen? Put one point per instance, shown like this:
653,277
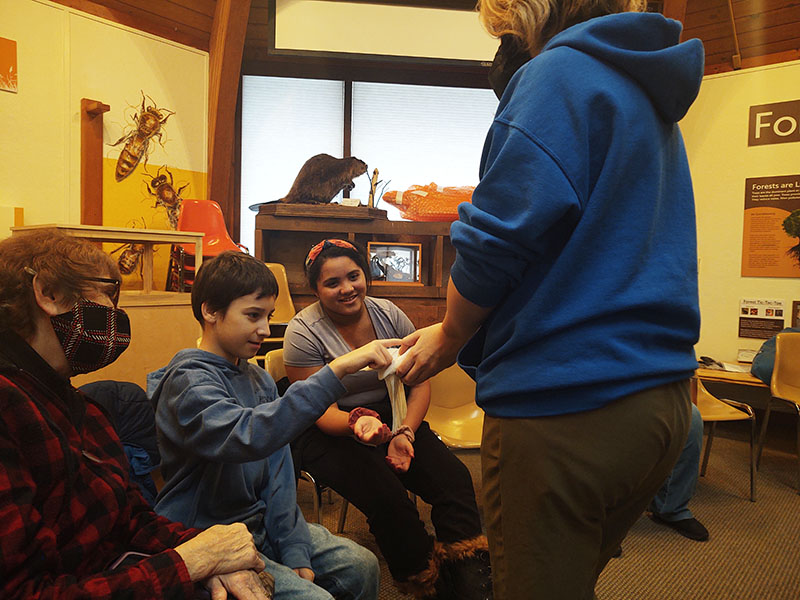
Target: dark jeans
360,474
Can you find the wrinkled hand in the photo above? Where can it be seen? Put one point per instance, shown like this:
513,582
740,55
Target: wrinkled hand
371,430
220,549
400,453
427,351
242,585
305,573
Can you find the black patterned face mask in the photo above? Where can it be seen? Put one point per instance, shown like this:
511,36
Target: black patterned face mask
92,335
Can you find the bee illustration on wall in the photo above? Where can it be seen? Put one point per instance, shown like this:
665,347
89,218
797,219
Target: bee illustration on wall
162,187
148,125
130,258
131,255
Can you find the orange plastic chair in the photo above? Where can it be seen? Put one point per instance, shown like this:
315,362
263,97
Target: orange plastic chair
204,216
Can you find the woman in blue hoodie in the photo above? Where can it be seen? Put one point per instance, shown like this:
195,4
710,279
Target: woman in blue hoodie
573,297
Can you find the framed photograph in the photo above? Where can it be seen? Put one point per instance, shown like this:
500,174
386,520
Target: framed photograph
796,313
395,262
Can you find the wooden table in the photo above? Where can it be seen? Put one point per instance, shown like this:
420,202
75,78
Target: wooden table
718,376
146,237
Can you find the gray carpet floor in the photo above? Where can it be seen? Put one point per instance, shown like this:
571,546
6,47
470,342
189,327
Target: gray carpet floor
754,548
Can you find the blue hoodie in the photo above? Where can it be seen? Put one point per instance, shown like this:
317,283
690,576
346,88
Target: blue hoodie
581,232
223,434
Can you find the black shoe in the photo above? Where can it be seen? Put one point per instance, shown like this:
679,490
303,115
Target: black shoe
688,528
470,578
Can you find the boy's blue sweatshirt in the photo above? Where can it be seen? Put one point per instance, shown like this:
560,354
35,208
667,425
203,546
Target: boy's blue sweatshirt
223,433
581,232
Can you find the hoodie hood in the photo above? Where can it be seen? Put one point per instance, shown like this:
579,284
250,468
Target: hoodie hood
645,46
187,359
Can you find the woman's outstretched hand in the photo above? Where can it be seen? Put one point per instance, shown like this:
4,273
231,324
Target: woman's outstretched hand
372,431
400,453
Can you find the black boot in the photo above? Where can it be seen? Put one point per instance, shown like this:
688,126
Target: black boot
470,578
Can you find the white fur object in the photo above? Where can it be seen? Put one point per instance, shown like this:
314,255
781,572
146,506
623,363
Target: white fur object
397,393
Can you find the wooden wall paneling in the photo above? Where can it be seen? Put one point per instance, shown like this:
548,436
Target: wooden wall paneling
675,9
151,21
225,60
92,161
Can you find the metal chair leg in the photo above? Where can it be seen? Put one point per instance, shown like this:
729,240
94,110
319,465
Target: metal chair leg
342,515
797,433
709,440
763,433
752,459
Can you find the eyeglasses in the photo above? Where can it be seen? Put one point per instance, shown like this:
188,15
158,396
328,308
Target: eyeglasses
115,282
113,296
324,245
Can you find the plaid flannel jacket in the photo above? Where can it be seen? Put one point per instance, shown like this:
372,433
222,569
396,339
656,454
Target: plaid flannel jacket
67,508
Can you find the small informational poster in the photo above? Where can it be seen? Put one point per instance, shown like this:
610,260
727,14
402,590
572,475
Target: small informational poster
771,245
8,65
760,318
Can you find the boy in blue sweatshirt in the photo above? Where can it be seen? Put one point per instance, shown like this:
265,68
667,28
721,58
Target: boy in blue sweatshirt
224,435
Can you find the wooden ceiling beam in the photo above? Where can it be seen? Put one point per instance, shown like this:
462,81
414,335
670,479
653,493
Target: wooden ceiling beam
225,62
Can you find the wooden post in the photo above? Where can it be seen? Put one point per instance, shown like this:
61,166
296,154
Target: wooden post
92,161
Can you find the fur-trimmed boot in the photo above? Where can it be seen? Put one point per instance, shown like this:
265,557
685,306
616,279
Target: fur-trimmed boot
431,583
467,569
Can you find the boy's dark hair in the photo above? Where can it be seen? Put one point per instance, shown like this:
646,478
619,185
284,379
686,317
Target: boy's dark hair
353,252
228,276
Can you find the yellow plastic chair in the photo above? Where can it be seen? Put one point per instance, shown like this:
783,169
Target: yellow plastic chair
713,410
284,311
785,385
453,414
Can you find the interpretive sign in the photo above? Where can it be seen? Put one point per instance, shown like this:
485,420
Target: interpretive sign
759,318
775,123
770,238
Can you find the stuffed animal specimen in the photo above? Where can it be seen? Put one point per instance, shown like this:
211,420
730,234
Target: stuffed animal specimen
322,177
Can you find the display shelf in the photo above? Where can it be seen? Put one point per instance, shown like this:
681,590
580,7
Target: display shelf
146,237
285,234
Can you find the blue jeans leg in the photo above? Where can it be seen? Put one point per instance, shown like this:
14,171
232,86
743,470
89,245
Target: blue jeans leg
671,503
342,570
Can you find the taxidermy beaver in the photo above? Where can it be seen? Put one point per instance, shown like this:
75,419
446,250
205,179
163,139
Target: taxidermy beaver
322,177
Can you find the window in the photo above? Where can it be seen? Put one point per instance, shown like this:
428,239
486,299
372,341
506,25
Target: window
418,134
413,134
285,122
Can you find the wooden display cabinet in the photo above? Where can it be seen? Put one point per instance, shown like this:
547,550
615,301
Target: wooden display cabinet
285,233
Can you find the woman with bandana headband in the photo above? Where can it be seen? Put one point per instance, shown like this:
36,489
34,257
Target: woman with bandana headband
573,300
353,450
68,511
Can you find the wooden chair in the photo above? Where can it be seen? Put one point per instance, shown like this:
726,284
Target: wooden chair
453,414
713,410
785,386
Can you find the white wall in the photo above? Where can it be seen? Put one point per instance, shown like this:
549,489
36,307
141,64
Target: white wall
64,55
375,29
715,132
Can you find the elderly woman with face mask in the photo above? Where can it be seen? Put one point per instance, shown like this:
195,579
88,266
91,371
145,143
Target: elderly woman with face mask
68,512
573,296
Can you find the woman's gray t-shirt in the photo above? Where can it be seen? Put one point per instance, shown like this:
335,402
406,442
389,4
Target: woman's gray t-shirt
312,340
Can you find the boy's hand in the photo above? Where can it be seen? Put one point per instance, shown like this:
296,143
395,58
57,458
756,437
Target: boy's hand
373,355
372,431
